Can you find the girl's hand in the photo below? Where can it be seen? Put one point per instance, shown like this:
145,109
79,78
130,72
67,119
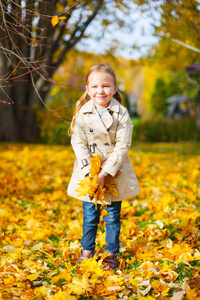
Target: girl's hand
101,179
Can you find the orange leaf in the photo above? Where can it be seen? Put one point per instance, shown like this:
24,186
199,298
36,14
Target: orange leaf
55,20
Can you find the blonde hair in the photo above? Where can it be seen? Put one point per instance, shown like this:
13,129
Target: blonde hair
85,97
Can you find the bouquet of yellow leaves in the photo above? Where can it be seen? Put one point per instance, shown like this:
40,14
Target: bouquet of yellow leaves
89,185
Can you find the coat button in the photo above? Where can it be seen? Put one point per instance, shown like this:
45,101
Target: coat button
91,130
106,144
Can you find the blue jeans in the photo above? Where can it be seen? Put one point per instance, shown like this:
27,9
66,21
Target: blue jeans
91,217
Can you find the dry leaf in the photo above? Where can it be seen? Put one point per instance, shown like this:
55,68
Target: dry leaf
41,228
32,277
178,295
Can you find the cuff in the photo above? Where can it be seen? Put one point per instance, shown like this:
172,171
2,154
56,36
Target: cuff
84,163
104,172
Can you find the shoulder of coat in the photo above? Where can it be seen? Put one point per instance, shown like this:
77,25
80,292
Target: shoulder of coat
122,109
117,107
87,107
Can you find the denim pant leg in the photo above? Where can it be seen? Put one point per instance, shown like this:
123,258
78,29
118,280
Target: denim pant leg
113,225
91,217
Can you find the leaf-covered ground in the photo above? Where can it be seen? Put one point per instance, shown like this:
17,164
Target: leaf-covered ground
41,228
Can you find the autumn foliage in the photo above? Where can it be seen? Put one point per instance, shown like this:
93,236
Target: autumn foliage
41,228
89,186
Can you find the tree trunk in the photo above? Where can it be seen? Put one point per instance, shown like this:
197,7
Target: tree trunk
18,119
18,122
8,130
25,112
30,52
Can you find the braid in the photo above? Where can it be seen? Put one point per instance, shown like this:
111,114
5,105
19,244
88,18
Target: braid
118,96
84,98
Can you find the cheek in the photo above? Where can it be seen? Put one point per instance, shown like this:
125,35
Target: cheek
89,91
112,92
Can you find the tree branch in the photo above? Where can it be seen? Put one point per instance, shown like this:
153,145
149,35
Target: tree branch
79,28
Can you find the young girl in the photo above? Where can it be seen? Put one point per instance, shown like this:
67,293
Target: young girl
102,125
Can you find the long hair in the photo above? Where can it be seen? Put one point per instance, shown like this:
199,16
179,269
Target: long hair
85,97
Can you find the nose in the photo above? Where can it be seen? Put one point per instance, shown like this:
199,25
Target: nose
100,90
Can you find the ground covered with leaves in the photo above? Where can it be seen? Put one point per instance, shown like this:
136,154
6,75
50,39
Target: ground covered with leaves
41,228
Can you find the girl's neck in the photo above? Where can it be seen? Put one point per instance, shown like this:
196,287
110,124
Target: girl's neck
101,107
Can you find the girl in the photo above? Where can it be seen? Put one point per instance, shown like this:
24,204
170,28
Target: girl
102,125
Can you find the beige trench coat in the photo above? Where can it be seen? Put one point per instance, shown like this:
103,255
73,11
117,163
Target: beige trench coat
110,136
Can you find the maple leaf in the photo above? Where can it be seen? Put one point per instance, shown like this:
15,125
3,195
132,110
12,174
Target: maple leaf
95,165
84,188
99,195
89,184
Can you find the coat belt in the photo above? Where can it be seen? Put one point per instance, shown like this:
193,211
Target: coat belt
92,147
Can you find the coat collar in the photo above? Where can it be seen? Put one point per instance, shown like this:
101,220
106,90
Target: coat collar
104,123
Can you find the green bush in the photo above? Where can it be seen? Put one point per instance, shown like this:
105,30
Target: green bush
165,130
54,126
54,133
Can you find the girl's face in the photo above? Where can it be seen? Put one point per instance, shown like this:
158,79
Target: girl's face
101,88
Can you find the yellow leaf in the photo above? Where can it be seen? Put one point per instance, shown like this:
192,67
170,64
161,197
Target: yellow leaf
132,281
60,7
105,213
85,281
63,296
62,18
104,255
63,275
146,298
8,280
55,20
114,192
147,265
84,186
99,195
32,277
95,165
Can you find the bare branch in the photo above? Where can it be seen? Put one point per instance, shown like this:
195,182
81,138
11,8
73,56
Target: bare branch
81,29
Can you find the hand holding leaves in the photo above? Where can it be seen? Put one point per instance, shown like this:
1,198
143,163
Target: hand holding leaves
93,185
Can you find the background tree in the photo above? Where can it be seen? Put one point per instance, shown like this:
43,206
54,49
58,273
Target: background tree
31,50
164,88
175,20
158,97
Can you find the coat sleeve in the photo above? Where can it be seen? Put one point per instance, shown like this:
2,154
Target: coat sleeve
80,145
122,144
